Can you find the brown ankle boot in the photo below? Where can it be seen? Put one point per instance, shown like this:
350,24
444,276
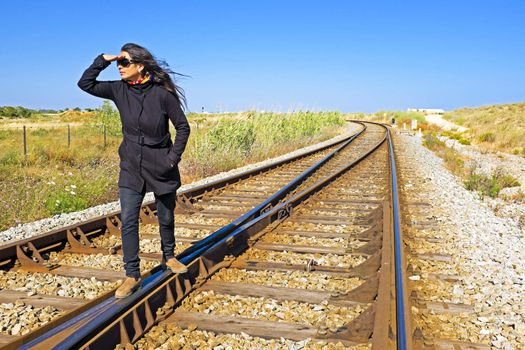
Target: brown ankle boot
176,266
128,287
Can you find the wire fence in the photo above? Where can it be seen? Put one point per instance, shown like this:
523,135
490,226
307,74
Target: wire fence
25,139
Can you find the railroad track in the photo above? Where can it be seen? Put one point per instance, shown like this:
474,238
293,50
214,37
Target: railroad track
74,268
313,275
302,250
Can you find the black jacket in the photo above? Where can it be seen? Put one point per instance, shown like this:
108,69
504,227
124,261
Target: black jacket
146,152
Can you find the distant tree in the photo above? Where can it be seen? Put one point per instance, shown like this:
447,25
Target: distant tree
109,117
77,109
7,111
47,111
15,112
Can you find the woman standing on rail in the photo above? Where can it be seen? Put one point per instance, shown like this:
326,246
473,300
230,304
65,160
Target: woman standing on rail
146,98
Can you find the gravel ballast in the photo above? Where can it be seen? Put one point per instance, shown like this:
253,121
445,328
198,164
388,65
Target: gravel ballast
486,251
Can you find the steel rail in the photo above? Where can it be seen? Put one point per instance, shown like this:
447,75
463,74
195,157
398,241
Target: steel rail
108,314
403,340
106,309
401,299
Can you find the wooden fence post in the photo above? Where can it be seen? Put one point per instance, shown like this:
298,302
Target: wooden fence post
104,135
68,136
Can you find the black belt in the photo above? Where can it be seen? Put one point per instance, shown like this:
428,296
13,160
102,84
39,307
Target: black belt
156,142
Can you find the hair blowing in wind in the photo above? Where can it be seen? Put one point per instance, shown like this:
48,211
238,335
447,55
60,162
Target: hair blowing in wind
158,69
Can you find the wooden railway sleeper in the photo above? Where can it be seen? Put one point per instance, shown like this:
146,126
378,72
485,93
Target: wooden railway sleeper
366,292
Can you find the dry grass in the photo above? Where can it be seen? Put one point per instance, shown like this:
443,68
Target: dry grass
54,179
494,128
70,117
454,161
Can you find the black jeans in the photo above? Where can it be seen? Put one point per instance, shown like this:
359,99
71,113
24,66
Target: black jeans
130,202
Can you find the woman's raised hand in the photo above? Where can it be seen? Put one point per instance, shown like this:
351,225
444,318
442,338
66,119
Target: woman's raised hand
111,58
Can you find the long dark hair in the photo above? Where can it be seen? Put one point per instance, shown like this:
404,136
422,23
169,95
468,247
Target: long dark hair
158,69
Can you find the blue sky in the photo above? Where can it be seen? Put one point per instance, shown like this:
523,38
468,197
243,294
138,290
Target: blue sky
275,55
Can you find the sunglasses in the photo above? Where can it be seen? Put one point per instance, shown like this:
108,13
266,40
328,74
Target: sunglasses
124,62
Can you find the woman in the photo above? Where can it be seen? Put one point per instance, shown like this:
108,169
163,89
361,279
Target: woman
146,98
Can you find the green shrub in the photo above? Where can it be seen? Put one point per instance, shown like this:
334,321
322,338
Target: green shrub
110,117
507,181
221,145
15,112
487,137
41,155
453,161
65,202
9,158
458,136
482,184
39,132
232,135
432,142
489,185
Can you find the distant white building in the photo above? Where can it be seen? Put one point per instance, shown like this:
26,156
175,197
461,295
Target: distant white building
427,110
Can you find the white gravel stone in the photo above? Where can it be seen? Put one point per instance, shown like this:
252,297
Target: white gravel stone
487,250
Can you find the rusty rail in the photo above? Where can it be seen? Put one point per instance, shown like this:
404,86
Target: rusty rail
402,318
